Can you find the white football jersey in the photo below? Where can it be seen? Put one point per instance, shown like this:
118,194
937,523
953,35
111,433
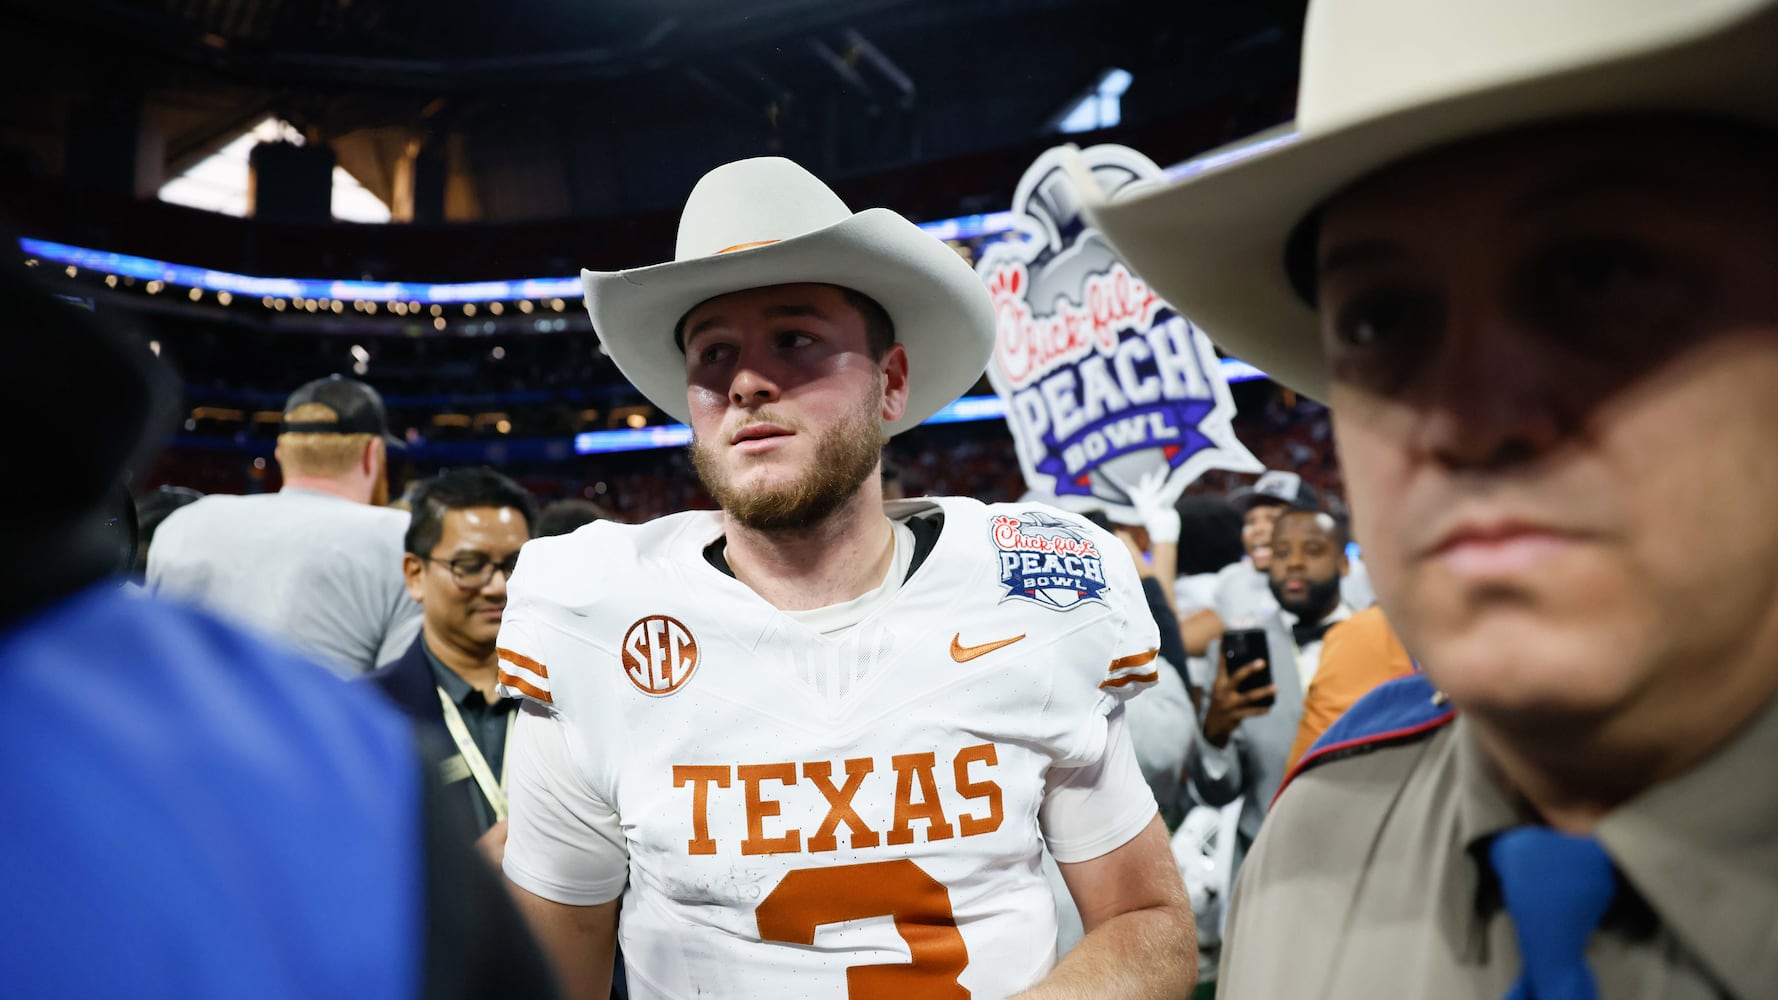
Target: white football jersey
795,814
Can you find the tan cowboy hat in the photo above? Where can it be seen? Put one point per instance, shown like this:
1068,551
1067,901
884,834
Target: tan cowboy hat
1383,80
767,221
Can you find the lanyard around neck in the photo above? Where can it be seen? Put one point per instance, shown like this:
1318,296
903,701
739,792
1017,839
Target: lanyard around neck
493,790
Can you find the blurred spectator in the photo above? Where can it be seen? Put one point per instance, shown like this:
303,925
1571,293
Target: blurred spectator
1209,536
1308,565
1245,740
1243,593
559,517
1355,587
406,500
462,542
151,510
233,822
1210,532
1360,653
1241,596
893,487
317,563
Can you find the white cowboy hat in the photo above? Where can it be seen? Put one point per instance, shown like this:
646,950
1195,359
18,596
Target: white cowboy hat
1383,80
767,221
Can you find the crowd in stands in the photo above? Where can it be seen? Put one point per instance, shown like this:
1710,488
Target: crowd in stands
1283,430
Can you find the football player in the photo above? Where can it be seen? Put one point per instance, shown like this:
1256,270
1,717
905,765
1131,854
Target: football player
817,744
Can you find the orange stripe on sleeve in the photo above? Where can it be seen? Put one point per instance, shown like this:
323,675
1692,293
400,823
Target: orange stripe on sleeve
525,687
1134,660
1118,682
524,661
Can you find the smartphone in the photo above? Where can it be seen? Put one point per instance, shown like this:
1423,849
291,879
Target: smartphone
1242,646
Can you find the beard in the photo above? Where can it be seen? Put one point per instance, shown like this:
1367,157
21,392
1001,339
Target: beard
845,456
1315,604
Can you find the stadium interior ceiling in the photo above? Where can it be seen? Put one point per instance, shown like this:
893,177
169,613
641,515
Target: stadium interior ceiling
526,139
556,114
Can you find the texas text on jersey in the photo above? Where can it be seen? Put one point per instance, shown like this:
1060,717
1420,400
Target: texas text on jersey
826,813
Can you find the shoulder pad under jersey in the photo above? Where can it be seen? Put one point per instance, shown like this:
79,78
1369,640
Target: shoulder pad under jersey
1397,711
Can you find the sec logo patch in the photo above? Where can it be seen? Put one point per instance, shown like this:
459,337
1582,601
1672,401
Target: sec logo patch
659,655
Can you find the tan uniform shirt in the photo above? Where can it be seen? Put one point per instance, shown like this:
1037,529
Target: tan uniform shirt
1369,879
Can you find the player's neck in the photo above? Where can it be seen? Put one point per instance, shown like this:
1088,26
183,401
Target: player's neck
843,557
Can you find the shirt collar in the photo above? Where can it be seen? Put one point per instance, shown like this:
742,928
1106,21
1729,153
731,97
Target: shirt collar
455,687
1481,809
1700,849
303,491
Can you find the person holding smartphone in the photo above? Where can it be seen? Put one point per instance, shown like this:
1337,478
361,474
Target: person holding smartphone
1250,718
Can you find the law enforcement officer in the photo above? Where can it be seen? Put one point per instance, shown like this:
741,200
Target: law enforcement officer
1539,240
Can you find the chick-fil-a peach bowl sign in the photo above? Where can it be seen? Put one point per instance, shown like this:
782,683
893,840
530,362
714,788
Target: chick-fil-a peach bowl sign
1104,383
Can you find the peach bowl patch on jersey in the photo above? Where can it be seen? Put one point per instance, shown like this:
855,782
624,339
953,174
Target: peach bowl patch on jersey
1047,560
659,655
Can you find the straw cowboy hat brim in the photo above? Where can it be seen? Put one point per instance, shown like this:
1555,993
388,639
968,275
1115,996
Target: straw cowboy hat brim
765,222
1384,80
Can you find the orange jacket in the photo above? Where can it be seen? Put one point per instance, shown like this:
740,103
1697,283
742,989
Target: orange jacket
1357,655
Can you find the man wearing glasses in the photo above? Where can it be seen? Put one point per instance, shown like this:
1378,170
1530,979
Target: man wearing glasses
462,545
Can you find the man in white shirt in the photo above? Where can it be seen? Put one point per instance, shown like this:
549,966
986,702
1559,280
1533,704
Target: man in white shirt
1243,597
1307,576
317,564
1239,595
1246,735
816,745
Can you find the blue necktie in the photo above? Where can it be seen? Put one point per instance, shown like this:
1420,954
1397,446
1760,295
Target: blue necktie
1557,887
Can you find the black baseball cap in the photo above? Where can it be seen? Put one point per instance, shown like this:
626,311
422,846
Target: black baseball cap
1286,489
359,407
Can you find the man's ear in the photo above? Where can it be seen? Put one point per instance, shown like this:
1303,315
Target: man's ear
895,382
367,462
412,569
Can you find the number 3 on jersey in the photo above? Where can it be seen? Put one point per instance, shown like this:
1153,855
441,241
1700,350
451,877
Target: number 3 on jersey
919,903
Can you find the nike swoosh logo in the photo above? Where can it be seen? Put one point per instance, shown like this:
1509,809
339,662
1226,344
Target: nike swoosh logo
963,654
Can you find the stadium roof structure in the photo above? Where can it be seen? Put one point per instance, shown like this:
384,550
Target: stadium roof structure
526,109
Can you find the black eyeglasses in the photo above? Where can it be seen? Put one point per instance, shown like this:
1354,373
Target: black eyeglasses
477,571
